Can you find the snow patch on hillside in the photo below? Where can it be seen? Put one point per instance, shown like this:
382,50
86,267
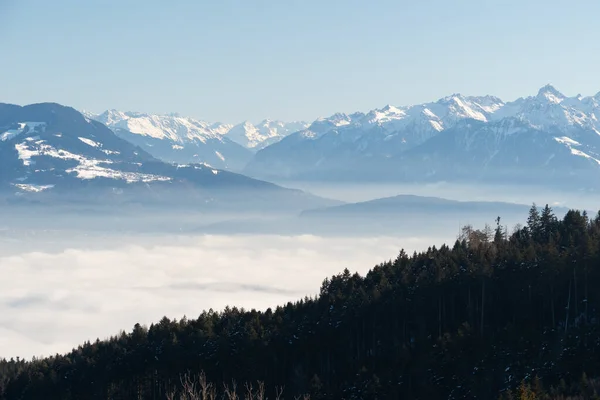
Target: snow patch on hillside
33,188
89,142
87,168
23,127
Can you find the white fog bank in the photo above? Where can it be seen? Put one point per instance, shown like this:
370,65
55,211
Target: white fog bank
53,301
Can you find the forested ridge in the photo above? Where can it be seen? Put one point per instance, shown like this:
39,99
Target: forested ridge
495,315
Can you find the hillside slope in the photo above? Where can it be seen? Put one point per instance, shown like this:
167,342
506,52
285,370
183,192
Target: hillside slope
52,153
493,312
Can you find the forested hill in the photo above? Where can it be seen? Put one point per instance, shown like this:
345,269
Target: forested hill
493,313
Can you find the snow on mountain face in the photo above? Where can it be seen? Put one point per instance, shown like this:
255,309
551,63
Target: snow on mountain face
63,148
66,156
398,141
576,148
323,125
85,167
23,127
414,123
551,109
263,134
184,130
171,127
173,138
550,93
381,133
179,139
221,128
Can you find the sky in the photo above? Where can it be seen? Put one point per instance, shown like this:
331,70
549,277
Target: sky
231,61
57,300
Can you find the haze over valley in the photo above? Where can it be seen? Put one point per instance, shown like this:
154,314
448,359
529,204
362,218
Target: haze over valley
89,209
299,200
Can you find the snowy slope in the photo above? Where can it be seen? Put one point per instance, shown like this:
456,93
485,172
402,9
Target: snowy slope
456,136
63,147
551,109
173,138
263,134
172,127
49,152
342,139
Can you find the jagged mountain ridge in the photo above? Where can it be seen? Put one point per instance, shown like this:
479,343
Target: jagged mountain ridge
174,138
464,137
49,152
379,133
258,136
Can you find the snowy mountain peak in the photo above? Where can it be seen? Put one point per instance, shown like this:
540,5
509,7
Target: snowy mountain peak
489,104
221,128
386,114
264,133
171,126
551,94
174,138
457,107
337,119
111,116
391,109
185,130
456,134
453,98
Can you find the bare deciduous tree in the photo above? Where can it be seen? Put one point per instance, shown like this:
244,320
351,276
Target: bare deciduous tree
249,391
279,393
260,392
197,387
231,391
189,387
207,389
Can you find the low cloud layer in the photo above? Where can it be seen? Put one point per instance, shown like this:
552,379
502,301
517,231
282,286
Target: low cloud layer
52,301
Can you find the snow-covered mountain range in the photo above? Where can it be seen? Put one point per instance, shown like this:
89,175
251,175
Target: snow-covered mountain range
51,152
263,134
547,138
177,139
456,137
174,138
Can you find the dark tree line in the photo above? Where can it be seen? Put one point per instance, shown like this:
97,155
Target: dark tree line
492,316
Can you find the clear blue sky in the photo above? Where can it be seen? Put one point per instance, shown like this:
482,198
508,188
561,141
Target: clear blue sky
229,61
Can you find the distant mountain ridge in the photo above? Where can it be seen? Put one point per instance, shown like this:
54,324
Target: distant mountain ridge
548,138
174,138
263,134
457,137
406,206
49,152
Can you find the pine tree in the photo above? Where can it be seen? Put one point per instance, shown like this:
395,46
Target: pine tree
533,221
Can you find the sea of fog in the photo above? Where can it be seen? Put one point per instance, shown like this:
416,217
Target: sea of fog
58,291
70,277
